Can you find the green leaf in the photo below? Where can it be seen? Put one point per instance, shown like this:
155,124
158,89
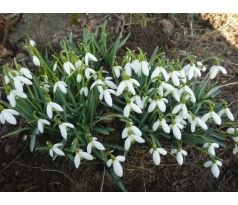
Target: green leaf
33,140
213,92
17,131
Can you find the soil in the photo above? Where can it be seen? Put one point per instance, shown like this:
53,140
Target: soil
177,35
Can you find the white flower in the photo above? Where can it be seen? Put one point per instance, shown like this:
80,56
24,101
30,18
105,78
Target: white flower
175,77
145,67
36,60
179,155
68,66
89,57
214,167
161,123
132,134
110,83
41,123
131,106
157,72
176,93
127,84
106,94
139,101
89,72
232,130
176,126
94,143
64,127
32,43
136,66
215,69
78,64
61,85
201,66
20,81
26,72
213,115
13,95
8,115
160,103
194,121
165,86
55,149
84,90
181,107
53,106
227,112
192,71
211,147
115,163
79,78
156,154
6,79
46,87
117,71
127,69
80,154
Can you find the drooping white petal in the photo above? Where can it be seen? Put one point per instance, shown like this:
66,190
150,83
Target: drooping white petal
215,170
77,160
117,168
156,158
36,60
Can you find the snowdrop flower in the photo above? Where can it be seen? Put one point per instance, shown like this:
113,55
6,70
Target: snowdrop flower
132,134
94,143
138,100
89,72
68,66
194,121
13,95
6,79
80,154
41,123
117,71
160,103
55,149
213,115
176,126
181,107
53,106
46,87
36,60
131,106
127,69
145,67
157,71
84,90
61,85
161,122
32,43
110,83
201,66
227,112
115,163
156,152
179,155
214,167
176,93
20,81
136,66
64,127
215,69
192,71
175,77
26,72
78,64
89,57
8,115
232,130
211,147
79,78
127,84
106,94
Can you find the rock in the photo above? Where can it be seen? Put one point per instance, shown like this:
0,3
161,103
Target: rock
39,27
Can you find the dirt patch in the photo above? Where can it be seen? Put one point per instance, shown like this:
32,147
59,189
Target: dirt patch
176,35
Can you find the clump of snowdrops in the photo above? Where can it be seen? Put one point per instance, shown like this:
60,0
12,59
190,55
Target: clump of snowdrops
165,104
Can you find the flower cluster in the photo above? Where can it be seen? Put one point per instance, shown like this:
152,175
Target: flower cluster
159,102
